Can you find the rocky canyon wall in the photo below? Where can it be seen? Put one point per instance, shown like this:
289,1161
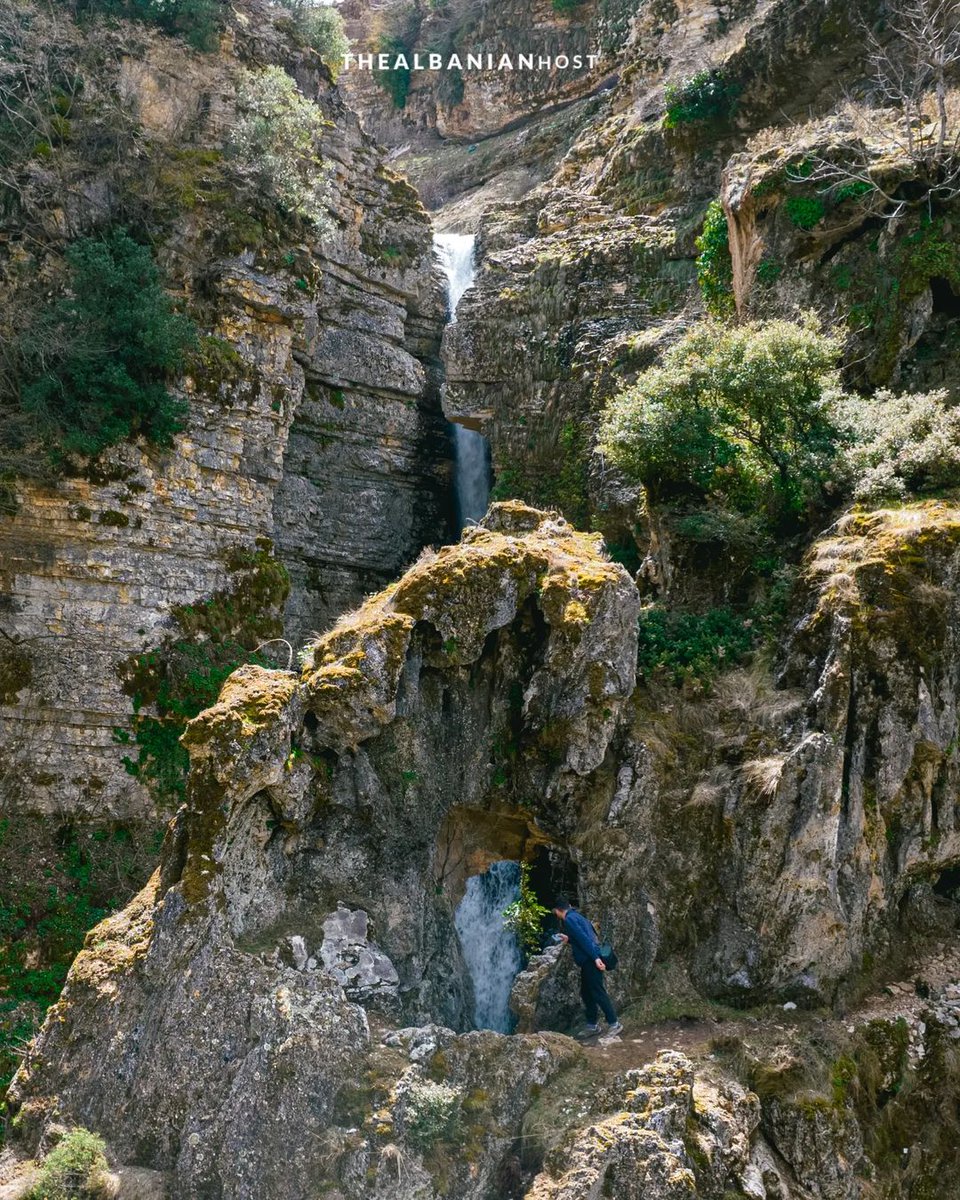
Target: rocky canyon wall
314,438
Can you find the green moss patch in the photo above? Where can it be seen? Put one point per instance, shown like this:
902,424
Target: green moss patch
183,675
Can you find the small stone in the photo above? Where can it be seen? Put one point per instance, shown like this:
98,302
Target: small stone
789,1006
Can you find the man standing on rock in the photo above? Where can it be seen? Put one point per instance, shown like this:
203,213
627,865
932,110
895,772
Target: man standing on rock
578,931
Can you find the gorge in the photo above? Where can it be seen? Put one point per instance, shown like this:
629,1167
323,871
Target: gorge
560,493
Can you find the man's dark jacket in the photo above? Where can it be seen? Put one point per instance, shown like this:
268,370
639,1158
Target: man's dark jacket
583,941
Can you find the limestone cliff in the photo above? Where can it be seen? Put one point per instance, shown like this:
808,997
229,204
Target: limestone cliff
286,1010
341,785
586,277
473,104
314,429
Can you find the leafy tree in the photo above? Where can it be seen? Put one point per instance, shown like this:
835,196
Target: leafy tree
93,369
321,27
739,416
276,144
395,81
902,445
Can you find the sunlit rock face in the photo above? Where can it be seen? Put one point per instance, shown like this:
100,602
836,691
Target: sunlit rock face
314,428
306,875
770,839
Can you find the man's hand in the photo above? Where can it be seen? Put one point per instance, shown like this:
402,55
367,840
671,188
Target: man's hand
601,965
563,938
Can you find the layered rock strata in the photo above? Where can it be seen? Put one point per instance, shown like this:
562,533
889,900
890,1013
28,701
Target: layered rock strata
314,426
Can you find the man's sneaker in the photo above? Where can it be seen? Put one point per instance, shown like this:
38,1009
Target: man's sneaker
615,1028
588,1031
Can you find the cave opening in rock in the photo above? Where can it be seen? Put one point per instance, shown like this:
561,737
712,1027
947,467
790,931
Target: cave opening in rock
945,299
478,871
552,873
947,883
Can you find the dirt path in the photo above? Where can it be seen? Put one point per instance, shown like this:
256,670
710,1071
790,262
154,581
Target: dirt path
929,988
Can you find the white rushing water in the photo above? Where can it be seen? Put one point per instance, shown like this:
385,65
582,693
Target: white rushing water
492,952
471,449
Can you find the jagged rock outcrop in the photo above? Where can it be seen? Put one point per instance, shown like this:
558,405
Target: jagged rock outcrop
671,1136
812,226
780,833
314,413
331,786
777,837
473,104
587,277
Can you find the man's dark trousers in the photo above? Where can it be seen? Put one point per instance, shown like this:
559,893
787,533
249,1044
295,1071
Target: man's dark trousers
593,990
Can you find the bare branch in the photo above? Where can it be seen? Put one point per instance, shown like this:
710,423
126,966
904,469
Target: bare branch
911,116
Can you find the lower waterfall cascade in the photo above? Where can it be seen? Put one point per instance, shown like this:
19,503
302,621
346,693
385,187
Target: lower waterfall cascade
492,952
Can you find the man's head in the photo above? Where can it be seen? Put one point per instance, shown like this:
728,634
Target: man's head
561,906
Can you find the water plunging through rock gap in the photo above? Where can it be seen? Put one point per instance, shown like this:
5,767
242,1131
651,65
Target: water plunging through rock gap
471,449
492,952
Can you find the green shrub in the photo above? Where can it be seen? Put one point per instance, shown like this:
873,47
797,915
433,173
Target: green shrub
805,211
852,191
73,1170
94,366
184,675
738,416
396,83
565,7
432,1115
706,96
524,917
680,646
276,144
198,22
55,885
902,445
714,264
321,27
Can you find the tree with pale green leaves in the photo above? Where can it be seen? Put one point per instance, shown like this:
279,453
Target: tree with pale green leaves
740,416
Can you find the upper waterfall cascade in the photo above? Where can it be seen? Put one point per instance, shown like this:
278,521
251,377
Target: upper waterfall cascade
472,451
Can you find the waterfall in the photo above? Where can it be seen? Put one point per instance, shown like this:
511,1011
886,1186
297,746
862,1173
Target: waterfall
492,953
471,449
